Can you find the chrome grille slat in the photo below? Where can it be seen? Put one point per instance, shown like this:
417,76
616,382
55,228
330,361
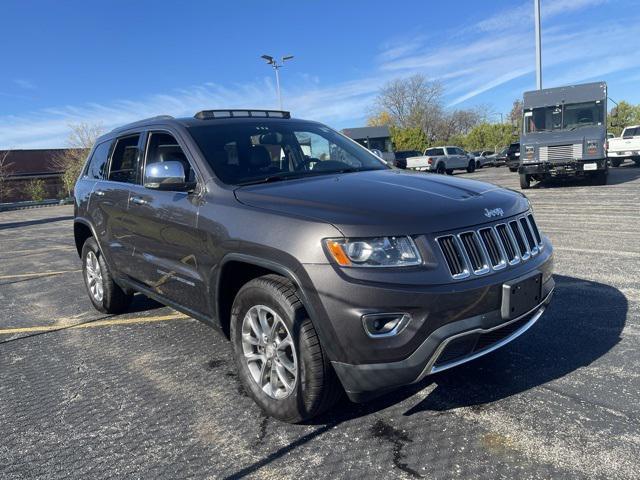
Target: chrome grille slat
494,247
561,152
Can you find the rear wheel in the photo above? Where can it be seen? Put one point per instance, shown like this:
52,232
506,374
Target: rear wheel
637,161
525,181
440,168
278,354
449,171
471,167
104,293
616,162
513,169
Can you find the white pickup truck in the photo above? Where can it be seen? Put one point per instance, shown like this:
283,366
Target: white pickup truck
442,160
626,145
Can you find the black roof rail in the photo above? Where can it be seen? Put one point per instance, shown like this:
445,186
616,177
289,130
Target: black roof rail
142,122
241,113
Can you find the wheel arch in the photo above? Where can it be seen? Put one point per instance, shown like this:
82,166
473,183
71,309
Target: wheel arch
82,230
237,269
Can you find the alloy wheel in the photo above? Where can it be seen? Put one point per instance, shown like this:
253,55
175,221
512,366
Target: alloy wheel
269,352
93,273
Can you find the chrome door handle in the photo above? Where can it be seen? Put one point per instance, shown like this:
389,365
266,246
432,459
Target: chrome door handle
99,193
139,201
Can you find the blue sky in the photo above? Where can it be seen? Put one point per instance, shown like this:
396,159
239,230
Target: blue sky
114,62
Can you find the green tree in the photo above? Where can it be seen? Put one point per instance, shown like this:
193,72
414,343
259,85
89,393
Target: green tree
490,136
409,138
35,189
379,120
621,116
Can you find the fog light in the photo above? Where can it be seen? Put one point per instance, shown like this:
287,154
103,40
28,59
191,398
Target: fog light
380,325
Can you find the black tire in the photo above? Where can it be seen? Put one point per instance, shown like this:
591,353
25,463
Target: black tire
449,171
478,165
615,162
471,167
316,387
637,162
440,168
525,181
513,169
114,299
600,177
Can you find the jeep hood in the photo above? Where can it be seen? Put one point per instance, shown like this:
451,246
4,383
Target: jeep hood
385,202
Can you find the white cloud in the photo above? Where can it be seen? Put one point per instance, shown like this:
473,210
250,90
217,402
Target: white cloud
470,63
24,83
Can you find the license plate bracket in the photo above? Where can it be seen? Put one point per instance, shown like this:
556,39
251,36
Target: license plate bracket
521,295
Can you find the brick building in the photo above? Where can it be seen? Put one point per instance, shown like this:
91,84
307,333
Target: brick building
25,165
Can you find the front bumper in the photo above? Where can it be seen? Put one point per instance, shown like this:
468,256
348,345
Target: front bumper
449,346
439,312
564,168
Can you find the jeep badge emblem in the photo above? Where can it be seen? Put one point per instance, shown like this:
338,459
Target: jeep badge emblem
496,212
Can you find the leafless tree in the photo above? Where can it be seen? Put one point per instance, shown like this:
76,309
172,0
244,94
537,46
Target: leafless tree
80,141
417,103
515,115
412,102
5,167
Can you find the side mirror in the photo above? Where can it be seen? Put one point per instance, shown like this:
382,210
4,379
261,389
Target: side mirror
166,176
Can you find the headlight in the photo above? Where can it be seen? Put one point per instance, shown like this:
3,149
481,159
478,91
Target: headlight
592,147
374,252
528,152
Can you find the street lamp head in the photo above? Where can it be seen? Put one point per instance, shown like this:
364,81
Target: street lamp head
268,58
287,57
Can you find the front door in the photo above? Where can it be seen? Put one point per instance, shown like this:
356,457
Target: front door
167,244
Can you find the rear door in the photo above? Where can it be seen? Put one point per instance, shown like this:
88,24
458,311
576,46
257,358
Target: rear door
167,245
110,199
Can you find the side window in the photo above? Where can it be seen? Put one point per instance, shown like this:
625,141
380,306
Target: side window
163,147
125,161
438,152
98,164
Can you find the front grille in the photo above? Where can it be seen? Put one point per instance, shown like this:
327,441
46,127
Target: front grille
473,343
561,152
478,252
452,255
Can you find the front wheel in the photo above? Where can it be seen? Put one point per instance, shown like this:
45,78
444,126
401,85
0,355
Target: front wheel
616,162
525,181
278,354
440,168
513,169
449,171
471,167
104,293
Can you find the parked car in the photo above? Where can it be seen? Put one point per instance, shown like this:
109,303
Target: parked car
625,146
271,229
499,158
483,158
513,157
442,160
402,155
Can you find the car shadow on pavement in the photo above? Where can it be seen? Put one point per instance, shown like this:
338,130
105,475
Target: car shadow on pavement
583,322
26,223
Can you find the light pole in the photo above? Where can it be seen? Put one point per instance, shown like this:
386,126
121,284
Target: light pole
536,13
276,66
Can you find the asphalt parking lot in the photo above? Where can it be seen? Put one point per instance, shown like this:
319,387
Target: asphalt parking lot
154,394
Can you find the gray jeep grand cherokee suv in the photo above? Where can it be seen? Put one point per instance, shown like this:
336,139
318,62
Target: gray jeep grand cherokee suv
327,269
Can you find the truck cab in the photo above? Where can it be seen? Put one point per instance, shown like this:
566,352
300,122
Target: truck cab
564,134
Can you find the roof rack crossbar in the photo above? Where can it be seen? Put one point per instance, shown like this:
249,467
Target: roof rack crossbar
241,113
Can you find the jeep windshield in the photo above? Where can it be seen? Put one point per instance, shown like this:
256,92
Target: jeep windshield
248,152
563,117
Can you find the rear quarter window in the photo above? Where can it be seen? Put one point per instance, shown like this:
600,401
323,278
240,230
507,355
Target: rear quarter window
97,165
